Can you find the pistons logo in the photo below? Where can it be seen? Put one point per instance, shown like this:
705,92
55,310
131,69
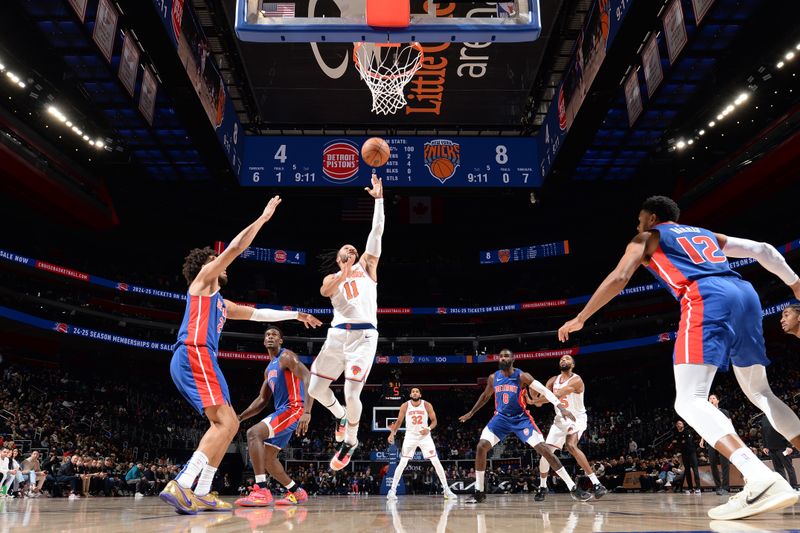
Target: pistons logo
122,286
340,161
526,431
61,327
177,17
356,370
441,311
442,157
504,255
280,256
562,110
664,337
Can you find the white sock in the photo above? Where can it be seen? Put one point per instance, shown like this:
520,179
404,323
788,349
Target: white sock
543,482
337,409
562,473
593,479
191,470
479,480
749,465
204,483
291,486
261,478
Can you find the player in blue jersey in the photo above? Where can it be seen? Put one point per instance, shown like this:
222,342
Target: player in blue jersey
508,386
195,370
286,380
720,324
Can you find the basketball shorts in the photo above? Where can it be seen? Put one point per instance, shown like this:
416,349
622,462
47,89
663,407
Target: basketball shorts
282,424
349,351
195,371
557,436
522,426
412,441
720,324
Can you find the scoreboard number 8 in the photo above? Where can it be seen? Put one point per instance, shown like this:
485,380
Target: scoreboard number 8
501,154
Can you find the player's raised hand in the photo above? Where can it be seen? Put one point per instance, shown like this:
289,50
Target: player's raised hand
390,438
302,425
424,431
377,187
465,417
575,324
310,321
273,204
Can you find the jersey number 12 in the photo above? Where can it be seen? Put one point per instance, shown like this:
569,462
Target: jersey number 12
701,249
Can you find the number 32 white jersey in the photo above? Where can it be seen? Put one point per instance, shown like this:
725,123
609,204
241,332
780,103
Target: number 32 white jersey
356,301
416,417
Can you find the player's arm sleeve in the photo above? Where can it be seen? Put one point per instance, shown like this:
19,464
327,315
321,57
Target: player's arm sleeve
374,239
272,315
541,389
766,255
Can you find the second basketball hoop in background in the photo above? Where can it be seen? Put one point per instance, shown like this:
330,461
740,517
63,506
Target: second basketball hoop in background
375,152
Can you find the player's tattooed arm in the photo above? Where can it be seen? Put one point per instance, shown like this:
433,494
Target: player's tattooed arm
400,417
485,396
431,419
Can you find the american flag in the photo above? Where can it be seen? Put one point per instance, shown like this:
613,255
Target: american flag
277,9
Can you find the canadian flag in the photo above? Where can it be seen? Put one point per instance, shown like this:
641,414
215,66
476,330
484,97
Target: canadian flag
420,210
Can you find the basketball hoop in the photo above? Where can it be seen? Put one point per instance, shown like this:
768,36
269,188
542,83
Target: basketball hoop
387,68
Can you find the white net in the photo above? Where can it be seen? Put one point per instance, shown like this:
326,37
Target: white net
387,69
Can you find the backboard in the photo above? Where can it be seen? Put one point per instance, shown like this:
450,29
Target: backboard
347,21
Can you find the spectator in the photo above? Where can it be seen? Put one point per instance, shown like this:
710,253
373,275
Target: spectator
715,459
32,468
135,480
633,448
67,475
9,474
778,449
683,439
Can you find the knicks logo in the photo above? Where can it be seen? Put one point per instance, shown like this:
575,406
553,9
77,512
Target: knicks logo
356,370
442,157
504,255
340,161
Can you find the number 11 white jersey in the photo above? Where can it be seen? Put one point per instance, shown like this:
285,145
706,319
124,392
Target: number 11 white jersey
356,301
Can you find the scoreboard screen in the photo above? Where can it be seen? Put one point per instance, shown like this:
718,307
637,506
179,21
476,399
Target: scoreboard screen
464,162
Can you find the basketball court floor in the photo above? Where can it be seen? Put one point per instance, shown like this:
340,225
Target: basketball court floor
411,514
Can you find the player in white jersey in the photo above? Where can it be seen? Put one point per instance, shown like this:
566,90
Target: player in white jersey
416,412
353,337
569,388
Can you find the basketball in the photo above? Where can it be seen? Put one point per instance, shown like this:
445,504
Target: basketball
442,168
375,152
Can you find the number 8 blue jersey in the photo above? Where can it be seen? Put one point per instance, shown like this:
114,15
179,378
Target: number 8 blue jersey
686,254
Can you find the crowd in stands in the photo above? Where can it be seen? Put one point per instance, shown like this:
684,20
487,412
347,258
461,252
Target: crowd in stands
111,434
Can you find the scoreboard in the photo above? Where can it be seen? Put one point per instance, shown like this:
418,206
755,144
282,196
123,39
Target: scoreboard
302,161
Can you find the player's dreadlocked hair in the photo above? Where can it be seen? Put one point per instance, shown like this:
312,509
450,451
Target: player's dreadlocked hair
664,208
327,261
195,261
